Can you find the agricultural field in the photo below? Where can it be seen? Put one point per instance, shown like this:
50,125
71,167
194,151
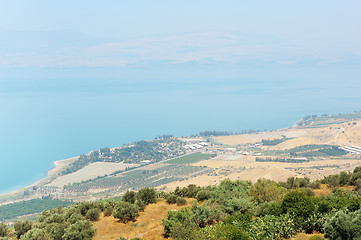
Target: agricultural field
136,179
91,171
191,158
29,207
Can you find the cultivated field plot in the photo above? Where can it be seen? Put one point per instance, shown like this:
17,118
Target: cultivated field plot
29,207
191,158
136,179
90,171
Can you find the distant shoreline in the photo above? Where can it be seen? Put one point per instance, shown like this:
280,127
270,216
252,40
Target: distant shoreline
58,167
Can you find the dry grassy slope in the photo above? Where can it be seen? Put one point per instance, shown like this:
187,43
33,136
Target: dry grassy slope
149,224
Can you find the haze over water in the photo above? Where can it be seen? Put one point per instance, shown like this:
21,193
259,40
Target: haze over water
115,73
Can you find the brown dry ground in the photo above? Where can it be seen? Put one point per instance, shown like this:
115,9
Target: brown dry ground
304,236
149,224
334,134
246,168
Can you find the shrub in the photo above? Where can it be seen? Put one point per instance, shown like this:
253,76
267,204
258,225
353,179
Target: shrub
108,211
176,219
181,201
298,204
22,227
344,225
223,231
272,227
204,194
147,195
84,207
265,190
4,230
126,211
93,214
140,204
35,234
129,196
171,198
272,208
314,222
238,218
81,230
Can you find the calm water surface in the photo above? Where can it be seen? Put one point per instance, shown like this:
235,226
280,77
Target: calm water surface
41,122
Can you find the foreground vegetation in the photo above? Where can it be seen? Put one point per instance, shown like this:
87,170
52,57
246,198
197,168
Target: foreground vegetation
231,210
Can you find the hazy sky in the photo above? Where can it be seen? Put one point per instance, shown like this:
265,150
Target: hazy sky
221,34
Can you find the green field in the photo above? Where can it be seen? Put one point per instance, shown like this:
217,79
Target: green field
191,158
29,207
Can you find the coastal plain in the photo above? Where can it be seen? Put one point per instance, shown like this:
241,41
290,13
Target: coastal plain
311,148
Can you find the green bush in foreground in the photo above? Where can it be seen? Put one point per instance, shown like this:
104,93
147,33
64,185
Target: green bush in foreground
4,230
344,226
93,214
126,211
35,234
22,227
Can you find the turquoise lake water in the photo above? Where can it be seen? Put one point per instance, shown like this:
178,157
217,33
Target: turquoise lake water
42,122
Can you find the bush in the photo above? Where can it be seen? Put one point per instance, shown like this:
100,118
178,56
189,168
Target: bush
140,204
204,194
129,196
147,195
108,211
272,227
22,227
181,201
223,231
238,218
81,230
4,230
35,234
298,204
171,198
84,207
343,225
314,222
93,214
265,190
190,191
126,211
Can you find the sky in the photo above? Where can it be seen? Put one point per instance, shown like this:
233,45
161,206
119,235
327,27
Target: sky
144,34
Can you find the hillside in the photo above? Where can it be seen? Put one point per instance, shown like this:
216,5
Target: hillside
311,148
149,224
294,209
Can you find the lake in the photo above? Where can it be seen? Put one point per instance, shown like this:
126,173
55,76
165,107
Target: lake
44,121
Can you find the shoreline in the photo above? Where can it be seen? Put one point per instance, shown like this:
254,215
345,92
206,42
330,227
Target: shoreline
58,166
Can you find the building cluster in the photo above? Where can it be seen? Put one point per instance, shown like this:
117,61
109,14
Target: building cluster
194,144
